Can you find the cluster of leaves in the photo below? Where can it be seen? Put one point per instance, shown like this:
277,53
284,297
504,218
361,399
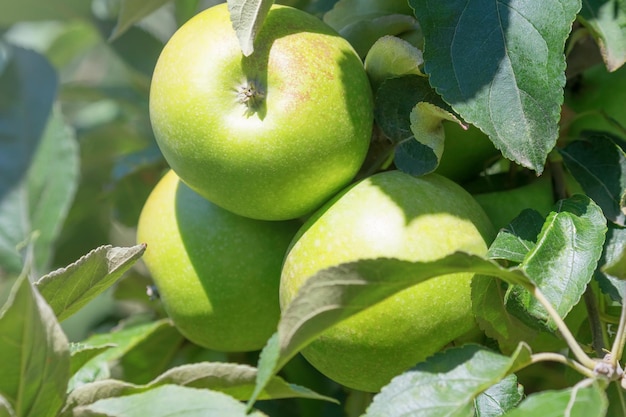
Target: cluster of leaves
77,161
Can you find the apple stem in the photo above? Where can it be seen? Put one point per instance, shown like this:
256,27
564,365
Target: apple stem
597,335
557,357
578,352
620,338
250,95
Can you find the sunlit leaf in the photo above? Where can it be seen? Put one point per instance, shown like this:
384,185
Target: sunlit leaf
70,288
233,379
582,400
518,238
499,398
334,294
392,57
606,20
157,402
563,261
611,275
152,343
36,364
447,383
247,17
83,353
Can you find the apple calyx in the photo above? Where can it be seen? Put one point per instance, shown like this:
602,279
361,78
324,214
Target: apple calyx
250,95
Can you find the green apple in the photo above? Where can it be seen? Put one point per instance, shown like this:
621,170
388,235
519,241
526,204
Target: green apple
390,214
466,153
504,205
270,136
597,90
217,273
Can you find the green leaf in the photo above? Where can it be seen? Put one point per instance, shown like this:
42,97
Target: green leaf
349,12
447,383
166,401
75,39
132,11
155,341
36,364
427,128
488,305
518,238
409,111
391,57
70,288
5,408
233,379
247,17
362,35
599,165
363,22
501,67
28,10
562,262
611,275
606,20
585,399
28,84
499,398
83,353
337,293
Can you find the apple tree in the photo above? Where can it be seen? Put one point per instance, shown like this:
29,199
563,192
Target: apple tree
507,117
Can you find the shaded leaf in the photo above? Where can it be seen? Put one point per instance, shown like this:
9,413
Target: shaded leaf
499,398
447,383
247,17
190,402
348,12
606,20
599,165
492,316
582,400
28,87
562,262
36,364
409,112
363,34
337,293
70,288
501,67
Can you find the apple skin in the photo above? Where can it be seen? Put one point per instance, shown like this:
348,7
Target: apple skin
301,140
217,273
466,153
390,214
598,90
505,205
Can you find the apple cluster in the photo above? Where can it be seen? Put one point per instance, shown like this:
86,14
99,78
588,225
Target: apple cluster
259,145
